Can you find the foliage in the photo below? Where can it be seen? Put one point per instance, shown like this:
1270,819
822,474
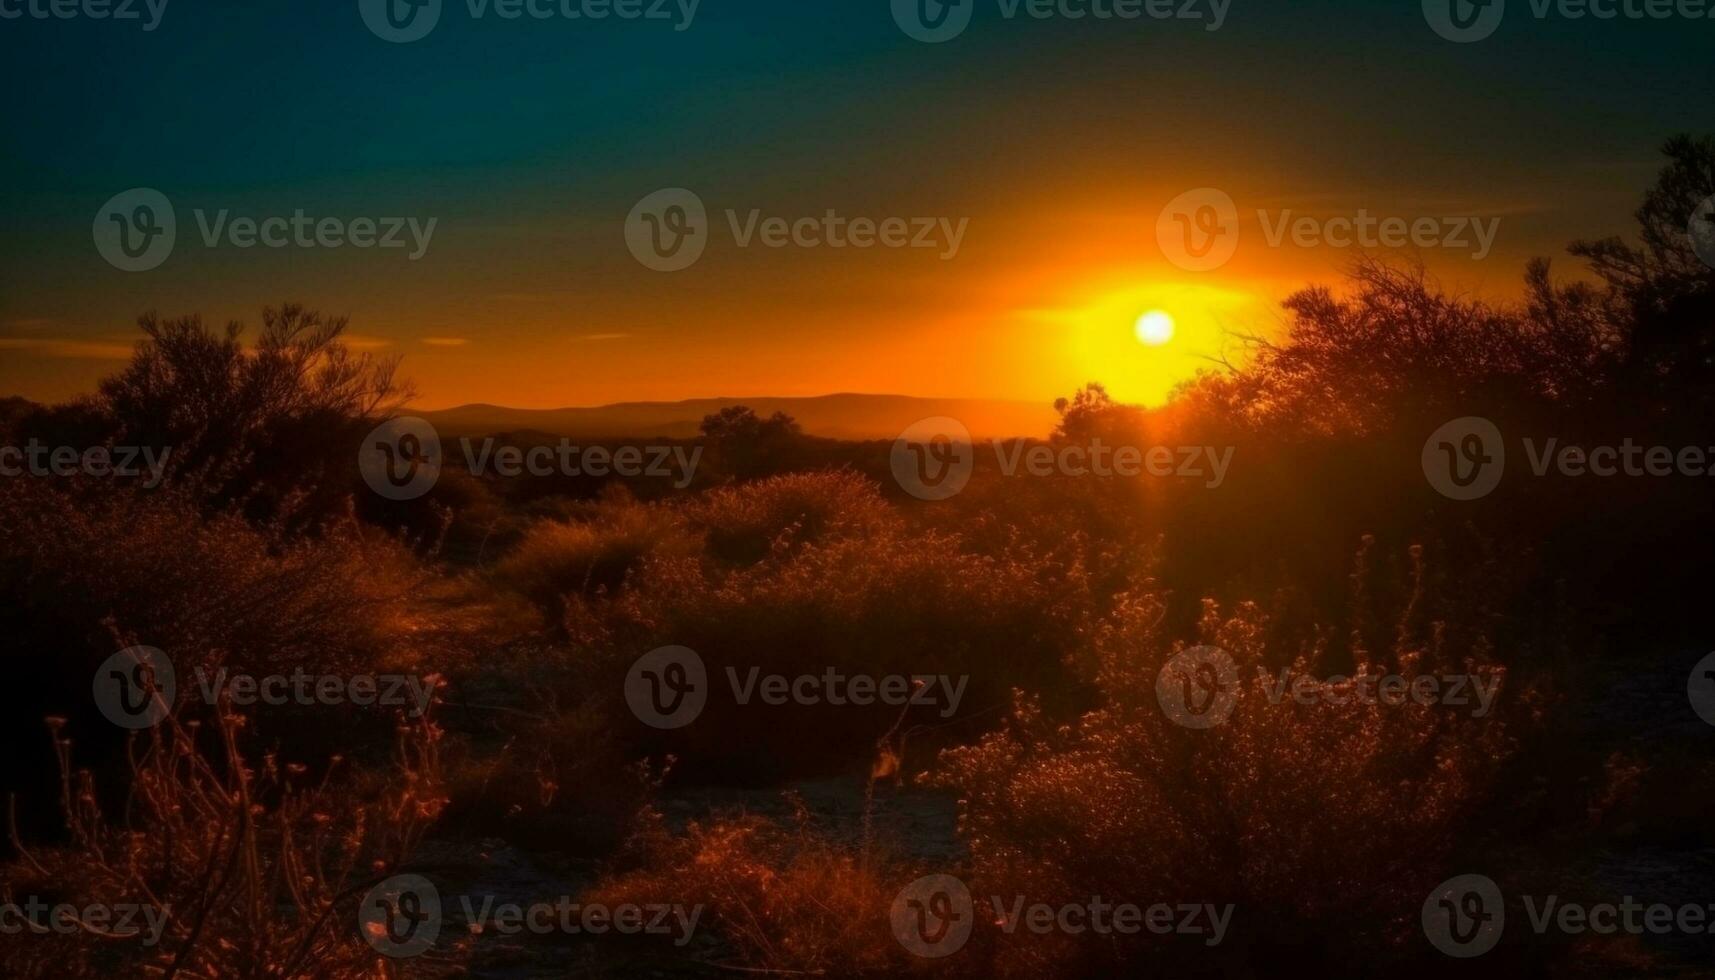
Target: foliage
257,866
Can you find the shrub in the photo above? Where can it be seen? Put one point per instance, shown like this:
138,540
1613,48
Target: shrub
746,522
256,865
1325,824
889,604
557,558
558,781
88,570
744,446
183,582
272,427
782,900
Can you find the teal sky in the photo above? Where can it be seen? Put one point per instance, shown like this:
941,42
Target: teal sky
529,141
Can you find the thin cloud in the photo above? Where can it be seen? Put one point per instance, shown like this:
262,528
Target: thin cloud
71,350
445,341
31,323
554,296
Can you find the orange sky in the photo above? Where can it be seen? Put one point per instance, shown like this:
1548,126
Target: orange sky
1041,299
1059,141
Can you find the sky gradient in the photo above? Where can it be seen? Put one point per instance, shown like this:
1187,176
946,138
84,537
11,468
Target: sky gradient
1059,142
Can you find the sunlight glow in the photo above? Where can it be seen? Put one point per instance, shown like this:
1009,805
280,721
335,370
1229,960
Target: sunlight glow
1155,328
1117,329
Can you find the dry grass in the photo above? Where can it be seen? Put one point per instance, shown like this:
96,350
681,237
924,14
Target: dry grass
883,602
257,864
782,900
747,523
353,599
1326,823
593,556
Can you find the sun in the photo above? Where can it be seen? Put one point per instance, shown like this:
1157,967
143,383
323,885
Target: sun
1140,337
1155,328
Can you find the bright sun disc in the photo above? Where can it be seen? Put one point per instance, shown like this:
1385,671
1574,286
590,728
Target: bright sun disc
1155,328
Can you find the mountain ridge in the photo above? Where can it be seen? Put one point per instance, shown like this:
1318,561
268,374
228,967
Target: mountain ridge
839,415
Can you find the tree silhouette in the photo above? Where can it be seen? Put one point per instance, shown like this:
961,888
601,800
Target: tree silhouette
1663,283
744,446
254,425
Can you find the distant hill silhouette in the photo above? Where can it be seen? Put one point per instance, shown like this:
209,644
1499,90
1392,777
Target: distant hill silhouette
840,416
